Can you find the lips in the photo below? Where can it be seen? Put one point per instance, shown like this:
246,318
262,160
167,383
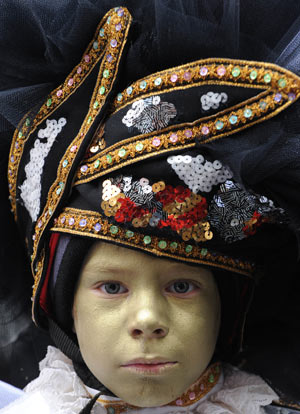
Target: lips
148,361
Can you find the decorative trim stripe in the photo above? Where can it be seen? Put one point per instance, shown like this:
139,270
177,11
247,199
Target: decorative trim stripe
94,225
107,73
212,71
91,56
230,121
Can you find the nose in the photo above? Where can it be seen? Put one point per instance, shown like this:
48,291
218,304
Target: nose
146,324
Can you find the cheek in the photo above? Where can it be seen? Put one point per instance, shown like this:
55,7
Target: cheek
200,323
96,327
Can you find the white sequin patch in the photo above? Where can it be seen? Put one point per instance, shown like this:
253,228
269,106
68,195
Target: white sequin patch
197,173
31,187
149,114
213,100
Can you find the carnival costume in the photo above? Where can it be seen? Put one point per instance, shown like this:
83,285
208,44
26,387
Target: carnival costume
170,134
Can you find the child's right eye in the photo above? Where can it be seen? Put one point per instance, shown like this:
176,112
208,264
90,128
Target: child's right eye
112,288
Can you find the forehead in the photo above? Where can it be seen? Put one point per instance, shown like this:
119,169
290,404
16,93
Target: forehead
106,256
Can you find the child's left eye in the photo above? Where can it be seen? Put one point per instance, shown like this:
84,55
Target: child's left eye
112,288
183,286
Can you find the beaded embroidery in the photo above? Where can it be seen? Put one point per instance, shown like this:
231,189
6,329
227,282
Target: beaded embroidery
278,93
31,187
149,114
197,173
218,71
95,225
109,40
100,93
237,214
157,205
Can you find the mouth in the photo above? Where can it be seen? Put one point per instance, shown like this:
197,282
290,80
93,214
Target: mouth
151,365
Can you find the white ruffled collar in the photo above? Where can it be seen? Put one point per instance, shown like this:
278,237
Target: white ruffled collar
235,392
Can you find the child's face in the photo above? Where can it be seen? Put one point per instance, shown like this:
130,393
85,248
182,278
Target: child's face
131,305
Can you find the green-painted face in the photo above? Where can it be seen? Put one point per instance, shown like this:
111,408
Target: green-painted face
130,305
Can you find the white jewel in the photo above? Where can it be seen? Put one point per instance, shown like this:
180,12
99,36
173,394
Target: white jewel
213,100
31,187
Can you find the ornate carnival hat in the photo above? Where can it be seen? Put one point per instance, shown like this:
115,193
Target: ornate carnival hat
192,163
137,167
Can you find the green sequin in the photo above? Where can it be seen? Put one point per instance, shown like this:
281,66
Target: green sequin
219,125
203,252
27,122
157,81
188,248
143,84
109,159
101,32
20,134
95,45
247,113
211,378
263,105
147,239
162,244
97,164
65,163
233,119
119,97
96,104
106,73
58,191
282,83
267,78
129,234
236,72
129,90
122,152
174,245
253,74
114,229
139,146
102,90
89,119
49,102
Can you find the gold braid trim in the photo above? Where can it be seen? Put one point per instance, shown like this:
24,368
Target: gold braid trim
28,126
116,40
94,225
280,89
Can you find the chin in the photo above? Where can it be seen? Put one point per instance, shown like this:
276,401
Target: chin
149,395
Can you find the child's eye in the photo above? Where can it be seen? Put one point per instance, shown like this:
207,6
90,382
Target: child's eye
183,286
112,288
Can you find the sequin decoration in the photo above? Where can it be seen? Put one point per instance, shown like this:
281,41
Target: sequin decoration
31,187
213,100
156,205
100,227
236,214
150,114
197,173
